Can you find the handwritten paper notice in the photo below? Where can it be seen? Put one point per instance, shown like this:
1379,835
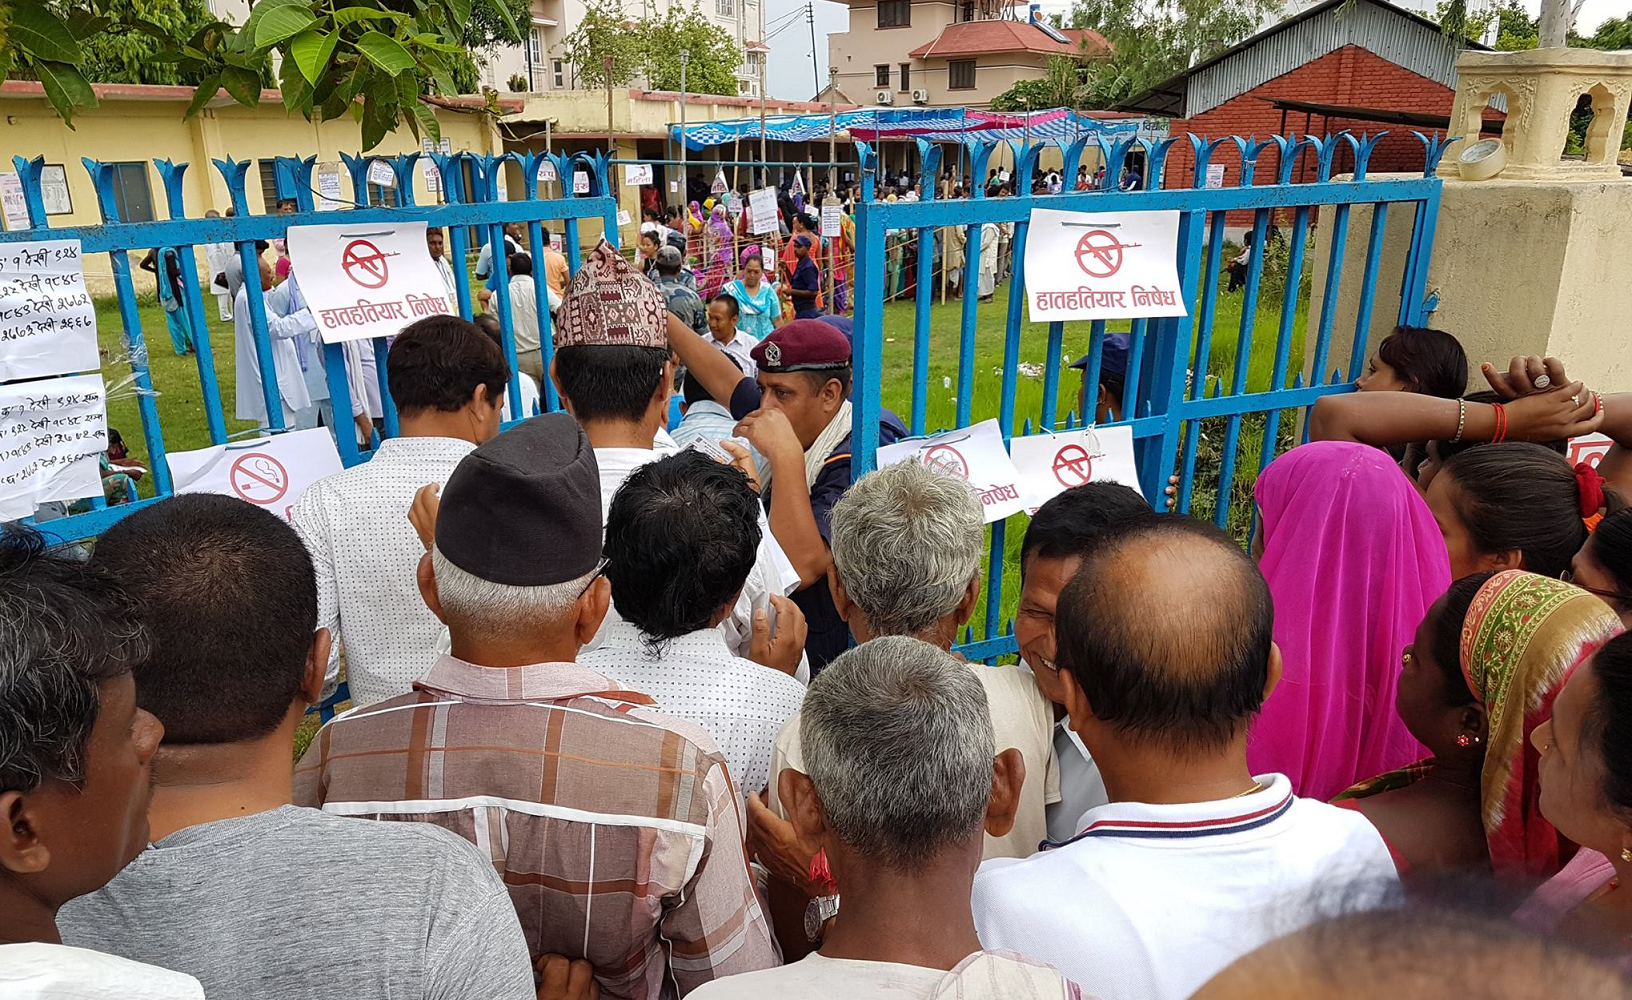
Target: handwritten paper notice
47,321
762,211
51,433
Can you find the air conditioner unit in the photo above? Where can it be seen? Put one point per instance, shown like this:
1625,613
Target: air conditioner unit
920,97
884,97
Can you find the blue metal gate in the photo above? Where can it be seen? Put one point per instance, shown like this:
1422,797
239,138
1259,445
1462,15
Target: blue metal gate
1163,404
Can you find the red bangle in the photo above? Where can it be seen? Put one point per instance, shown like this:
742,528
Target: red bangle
1501,423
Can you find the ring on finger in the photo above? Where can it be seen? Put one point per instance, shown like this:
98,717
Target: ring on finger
1575,400
1542,381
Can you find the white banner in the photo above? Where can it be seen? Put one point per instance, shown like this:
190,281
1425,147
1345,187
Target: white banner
1050,464
12,200
51,433
367,280
47,321
1102,265
975,455
270,472
762,211
637,174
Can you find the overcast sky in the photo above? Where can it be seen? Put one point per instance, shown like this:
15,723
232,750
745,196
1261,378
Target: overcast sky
790,72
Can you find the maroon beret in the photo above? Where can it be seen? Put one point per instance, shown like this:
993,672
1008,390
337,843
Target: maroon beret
803,345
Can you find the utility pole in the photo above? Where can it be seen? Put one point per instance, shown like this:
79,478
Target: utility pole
611,144
685,190
1553,28
763,157
810,19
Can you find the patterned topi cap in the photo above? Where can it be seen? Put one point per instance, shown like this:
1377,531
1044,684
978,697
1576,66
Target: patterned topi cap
610,304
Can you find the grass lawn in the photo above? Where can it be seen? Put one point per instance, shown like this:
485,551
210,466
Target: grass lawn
181,409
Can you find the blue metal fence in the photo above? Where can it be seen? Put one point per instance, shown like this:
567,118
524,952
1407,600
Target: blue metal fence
1165,396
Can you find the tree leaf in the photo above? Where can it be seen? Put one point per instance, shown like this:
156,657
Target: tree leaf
244,85
263,9
385,52
283,22
460,11
351,15
501,9
311,52
353,79
82,24
428,123
65,87
375,123
41,34
297,93
206,91
431,40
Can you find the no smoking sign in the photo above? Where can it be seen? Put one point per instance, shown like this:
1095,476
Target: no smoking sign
259,478
947,459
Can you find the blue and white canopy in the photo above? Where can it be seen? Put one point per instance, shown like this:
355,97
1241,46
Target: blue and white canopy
935,124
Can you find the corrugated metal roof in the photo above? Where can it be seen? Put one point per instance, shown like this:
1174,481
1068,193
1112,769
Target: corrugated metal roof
1399,36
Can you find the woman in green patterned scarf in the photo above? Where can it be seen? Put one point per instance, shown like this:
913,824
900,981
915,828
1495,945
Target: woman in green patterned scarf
1486,663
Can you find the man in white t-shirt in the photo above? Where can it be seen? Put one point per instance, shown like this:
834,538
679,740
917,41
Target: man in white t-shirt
1165,656
76,773
907,548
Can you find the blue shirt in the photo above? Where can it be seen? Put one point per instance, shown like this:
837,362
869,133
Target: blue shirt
708,419
806,278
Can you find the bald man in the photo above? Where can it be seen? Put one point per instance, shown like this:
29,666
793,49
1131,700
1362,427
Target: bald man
1164,656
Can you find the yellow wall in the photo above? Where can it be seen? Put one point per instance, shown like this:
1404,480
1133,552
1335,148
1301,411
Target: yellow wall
123,130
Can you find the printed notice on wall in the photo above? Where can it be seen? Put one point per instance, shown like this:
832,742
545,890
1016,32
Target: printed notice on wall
762,211
51,433
367,280
47,321
1102,265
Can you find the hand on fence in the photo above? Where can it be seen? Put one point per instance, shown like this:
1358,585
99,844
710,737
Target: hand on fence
782,649
1567,411
562,978
422,513
1525,375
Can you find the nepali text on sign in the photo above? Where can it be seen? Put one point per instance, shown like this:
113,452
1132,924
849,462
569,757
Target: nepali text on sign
364,281
47,320
51,434
1102,265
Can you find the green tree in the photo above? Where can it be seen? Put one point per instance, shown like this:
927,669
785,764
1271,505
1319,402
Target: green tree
1152,40
1612,35
711,67
139,56
605,48
1060,86
376,60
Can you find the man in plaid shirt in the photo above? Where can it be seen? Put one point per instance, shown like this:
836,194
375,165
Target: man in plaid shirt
616,829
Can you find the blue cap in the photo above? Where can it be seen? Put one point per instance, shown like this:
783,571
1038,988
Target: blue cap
1113,356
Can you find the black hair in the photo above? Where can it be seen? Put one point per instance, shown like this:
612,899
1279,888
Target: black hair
681,537
1186,673
520,263
821,377
609,382
284,203
1608,720
66,627
653,235
1075,522
729,302
489,324
1517,495
648,213
1611,547
114,437
668,270
1431,362
227,591
437,363
1445,636
693,390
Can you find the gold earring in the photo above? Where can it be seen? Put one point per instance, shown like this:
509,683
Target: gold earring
1626,855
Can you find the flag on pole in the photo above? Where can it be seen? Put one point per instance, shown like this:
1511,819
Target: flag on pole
798,182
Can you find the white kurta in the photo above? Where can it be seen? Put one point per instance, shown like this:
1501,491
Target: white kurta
286,363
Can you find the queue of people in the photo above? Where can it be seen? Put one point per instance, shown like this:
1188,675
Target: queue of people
644,715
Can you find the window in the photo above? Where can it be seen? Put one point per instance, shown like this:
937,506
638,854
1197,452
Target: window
131,194
960,74
966,10
560,72
269,185
906,76
726,8
535,48
881,76
894,14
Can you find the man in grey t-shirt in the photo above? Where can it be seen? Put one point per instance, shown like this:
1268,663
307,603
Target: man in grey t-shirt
255,897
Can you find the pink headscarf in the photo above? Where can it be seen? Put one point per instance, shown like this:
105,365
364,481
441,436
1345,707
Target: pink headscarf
1353,559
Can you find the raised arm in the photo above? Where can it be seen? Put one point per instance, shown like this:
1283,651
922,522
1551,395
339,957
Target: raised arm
707,364
1382,419
1520,379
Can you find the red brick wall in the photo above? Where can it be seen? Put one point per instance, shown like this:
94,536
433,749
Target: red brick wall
1351,76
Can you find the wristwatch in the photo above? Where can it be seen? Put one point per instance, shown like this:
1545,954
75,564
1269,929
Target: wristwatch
817,913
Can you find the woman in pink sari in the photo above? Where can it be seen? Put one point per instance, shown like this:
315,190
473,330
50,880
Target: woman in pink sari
1354,560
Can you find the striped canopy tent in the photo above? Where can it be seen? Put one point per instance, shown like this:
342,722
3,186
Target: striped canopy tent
934,124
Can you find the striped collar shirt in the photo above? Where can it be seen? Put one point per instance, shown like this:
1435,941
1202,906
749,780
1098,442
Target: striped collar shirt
1148,902
365,554
738,702
615,828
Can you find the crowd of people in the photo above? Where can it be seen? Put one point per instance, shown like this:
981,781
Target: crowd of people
646,715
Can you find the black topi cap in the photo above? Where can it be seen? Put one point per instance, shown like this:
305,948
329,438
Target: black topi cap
524,509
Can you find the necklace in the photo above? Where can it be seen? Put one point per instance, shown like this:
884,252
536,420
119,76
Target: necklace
1454,784
1257,786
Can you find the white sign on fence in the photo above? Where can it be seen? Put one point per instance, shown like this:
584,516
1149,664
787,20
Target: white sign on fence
11,199
546,171
580,182
368,280
1050,464
1102,265
54,189
762,211
51,433
328,189
380,172
720,185
624,217
270,472
975,455
1215,175
47,320
636,174
832,219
